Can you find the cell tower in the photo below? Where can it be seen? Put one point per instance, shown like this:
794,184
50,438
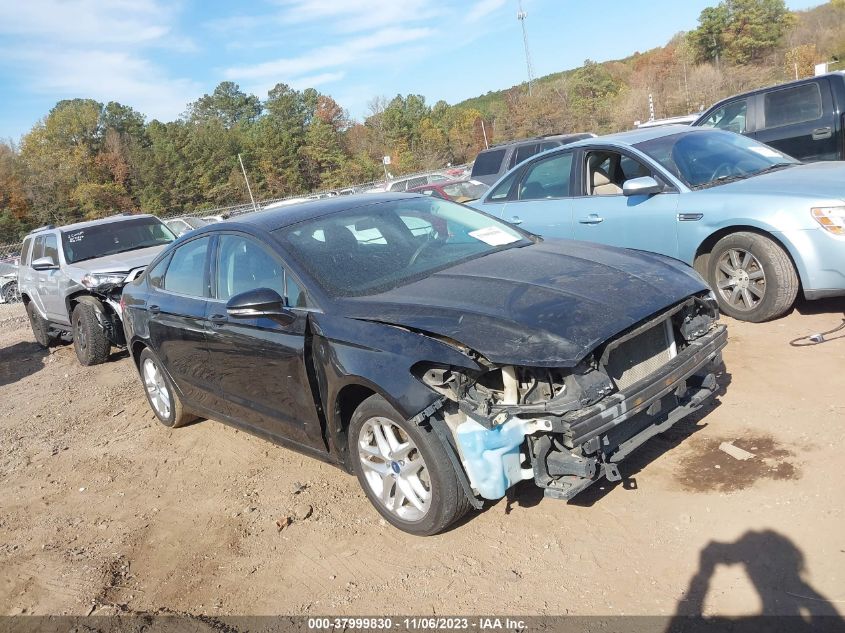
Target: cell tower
521,15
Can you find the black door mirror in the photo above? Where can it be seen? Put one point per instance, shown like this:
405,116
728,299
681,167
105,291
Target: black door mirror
260,302
643,186
44,263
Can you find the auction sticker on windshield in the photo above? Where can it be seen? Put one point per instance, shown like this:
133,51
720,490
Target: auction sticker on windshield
494,236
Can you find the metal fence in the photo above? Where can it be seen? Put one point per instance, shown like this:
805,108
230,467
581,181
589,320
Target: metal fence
10,253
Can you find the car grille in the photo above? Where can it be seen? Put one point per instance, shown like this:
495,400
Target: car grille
642,355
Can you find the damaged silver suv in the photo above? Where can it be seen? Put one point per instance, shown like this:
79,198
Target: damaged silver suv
70,279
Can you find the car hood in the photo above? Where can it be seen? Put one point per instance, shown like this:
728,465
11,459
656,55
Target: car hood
119,262
548,304
813,180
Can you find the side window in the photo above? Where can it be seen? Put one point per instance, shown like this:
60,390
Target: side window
295,295
524,152
186,272
156,274
793,105
38,249
243,264
51,247
547,178
632,168
605,175
500,193
27,245
731,117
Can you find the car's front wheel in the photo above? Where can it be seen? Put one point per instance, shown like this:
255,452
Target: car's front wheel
753,277
404,470
89,339
40,327
163,398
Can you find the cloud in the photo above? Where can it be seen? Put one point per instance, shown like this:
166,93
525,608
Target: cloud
483,8
348,53
358,15
96,48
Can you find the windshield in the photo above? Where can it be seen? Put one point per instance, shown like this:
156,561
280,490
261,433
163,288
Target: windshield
100,240
465,191
373,248
705,158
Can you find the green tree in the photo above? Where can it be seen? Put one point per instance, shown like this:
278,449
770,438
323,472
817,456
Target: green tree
740,31
227,104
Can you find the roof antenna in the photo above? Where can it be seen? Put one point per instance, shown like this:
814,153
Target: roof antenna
248,188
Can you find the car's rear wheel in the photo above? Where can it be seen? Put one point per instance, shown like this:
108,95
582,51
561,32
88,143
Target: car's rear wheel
404,470
163,398
40,327
89,339
752,276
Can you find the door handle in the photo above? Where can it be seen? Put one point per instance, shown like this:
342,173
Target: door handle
591,219
822,133
153,309
218,320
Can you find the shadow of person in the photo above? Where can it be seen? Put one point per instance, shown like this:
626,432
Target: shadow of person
775,566
20,360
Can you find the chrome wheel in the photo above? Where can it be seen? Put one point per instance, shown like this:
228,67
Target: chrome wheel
156,389
394,469
740,279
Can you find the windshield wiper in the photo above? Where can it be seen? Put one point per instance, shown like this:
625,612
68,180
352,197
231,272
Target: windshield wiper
774,167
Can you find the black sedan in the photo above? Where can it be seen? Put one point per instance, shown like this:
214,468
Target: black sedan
439,354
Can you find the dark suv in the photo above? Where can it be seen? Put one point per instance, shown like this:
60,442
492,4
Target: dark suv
494,162
804,119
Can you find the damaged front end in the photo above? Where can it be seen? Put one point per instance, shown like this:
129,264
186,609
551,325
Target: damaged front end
103,292
566,428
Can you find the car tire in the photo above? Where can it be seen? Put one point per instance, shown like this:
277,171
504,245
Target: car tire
89,340
40,327
160,392
422,468
752,276
10,292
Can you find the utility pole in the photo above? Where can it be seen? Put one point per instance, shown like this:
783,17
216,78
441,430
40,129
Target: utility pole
248,188
521,15
484,132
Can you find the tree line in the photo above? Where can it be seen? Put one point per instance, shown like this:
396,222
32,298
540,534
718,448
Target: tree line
86,159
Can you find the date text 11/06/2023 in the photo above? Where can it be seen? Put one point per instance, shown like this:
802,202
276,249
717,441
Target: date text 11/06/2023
417,623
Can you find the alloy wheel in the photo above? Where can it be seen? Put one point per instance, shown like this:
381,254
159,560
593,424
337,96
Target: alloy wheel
740,279
394,469
156,389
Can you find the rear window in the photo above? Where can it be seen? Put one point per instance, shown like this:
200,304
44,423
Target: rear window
488,163
793,105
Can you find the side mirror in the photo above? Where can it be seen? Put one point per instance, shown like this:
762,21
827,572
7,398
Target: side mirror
260,302
644,186
44,263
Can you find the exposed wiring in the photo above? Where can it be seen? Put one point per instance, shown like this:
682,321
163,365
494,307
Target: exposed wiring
817,339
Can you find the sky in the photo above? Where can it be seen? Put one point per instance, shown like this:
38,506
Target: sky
159,55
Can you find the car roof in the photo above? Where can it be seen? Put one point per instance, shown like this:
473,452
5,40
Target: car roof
272,219
633,137
84,225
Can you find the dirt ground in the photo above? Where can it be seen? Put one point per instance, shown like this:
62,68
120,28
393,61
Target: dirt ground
103,509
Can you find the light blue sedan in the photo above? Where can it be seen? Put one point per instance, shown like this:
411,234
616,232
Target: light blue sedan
757,224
